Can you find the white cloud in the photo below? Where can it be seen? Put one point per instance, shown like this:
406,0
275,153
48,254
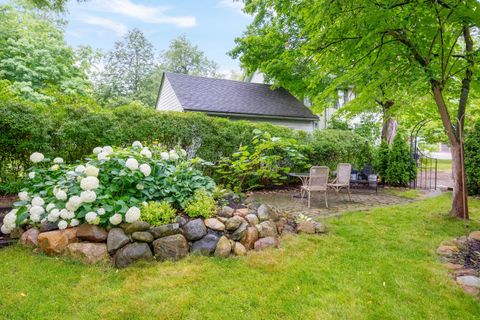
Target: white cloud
115,26
144,13
231,4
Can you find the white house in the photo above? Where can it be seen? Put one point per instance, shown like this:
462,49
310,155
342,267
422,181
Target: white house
235,100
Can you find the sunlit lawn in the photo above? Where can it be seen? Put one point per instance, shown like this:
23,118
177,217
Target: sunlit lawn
378,264
444,165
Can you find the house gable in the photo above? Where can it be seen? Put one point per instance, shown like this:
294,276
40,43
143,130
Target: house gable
167,99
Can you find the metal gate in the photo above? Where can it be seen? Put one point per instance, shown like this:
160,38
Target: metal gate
423,168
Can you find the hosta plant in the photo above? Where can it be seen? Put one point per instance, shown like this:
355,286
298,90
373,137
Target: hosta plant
110,187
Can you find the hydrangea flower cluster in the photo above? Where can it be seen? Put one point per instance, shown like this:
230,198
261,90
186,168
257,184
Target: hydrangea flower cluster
109,188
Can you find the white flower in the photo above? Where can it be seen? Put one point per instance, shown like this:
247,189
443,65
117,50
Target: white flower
146,153
58,160
80,169
97,150
101,211
102,156
38,201
71,175
36,157
55,167
92,218
10,217
116,219
74,222
145,169
132,215
50,206
183,153
64,213
140,186
62,224
137,144
88,196
89,183
5,229
173,155
35,213
53,215
61,195
108,149
165,156
92,171
23,196
73,203
31,175
131,164
144,203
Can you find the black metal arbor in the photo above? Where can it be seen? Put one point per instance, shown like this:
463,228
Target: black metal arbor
423,168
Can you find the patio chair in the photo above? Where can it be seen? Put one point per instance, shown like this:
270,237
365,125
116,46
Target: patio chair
318,182
344,171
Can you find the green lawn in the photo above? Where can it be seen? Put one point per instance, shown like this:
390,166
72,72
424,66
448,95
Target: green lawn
377,264
444,165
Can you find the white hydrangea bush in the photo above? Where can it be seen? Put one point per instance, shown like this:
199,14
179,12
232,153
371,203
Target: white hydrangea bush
108,188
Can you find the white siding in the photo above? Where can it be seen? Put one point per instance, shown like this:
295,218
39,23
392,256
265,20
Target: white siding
168,101
305,125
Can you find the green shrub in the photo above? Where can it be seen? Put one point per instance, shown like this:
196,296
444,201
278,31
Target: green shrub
381,159
472,159
265,161
201,205
398,171
157,213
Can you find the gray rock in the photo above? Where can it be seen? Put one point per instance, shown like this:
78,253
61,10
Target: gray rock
215,233
233,223
226,212
48,226
172,247
306,226
239,249
91,233
165,230
142,236
214,224
252,219
267,229
181,220
205,246
194,230
135,226
116,239
131,253
263,212
470,281
320,228
224,247
265,243
238,234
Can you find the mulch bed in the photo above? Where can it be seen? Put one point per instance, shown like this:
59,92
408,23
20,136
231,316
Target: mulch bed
468,255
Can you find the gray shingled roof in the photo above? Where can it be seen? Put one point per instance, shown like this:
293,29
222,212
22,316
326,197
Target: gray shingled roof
228,96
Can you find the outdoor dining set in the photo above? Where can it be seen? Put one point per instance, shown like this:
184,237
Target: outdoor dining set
317,180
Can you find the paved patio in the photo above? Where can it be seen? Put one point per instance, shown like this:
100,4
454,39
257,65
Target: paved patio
284,200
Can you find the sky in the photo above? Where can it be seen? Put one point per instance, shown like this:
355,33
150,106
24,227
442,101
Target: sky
211,24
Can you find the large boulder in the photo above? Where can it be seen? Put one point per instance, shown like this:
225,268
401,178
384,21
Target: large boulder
238,234
30,238
226,212
194,230
242,212
135,226
470,281
447,250
165,230
264,243
239,249
88,252
131,253
142,236
267,229
250,237
55,242
214,224
172,247
205,246
252,219
91,233
265,213
306,227
48,226
116,239
233,223
224,247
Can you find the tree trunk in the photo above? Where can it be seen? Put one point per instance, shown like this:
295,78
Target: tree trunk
389,130
459,200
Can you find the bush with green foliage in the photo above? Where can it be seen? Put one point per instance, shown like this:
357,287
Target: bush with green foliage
265,161
201,205
381,159
472,159
158,212
398,171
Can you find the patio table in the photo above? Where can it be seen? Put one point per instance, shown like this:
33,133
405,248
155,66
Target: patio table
304,178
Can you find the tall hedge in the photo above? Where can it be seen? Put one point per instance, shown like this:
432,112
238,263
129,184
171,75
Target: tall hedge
472,159
398,170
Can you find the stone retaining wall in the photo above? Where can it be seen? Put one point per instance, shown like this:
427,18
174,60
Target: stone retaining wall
231,232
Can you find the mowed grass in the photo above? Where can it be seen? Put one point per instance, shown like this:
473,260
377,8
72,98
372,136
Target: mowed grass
405,193
377,264
444,165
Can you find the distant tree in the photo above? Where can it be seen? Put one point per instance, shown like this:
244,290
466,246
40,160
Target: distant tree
127,66
184,57
50,5
35,57
89,61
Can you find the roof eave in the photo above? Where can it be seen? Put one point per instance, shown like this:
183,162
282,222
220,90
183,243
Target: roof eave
252,115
